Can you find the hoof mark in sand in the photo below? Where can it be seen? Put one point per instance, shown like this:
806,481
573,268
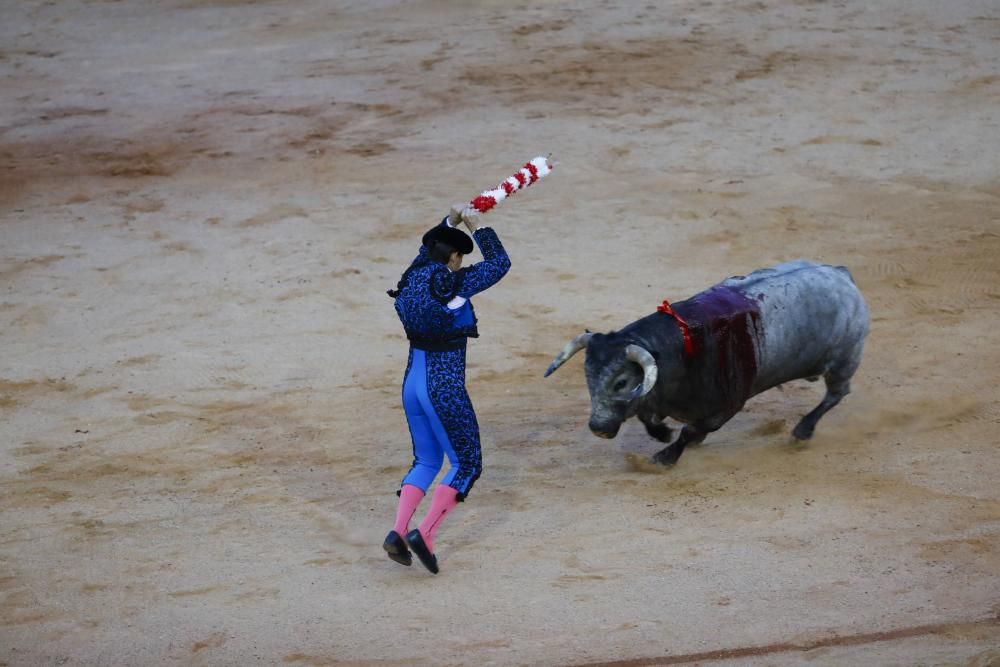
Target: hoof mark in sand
566,580
830,139
144,360
195,591
547,26
276,213
132,165
214,640
71,112
320,661
370,149
19,266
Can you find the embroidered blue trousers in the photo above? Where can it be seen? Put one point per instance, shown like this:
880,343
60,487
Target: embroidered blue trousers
441,420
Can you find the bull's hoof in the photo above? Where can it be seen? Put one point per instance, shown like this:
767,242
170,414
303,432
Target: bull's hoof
803,431
665,458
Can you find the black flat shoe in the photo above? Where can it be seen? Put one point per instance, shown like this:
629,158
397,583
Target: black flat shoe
416,541
396,548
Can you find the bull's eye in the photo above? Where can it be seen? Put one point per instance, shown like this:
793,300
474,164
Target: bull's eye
620,384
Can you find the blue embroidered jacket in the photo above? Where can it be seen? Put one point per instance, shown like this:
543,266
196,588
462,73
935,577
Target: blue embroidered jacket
428,286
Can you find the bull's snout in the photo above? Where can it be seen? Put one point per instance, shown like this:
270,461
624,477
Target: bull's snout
606,431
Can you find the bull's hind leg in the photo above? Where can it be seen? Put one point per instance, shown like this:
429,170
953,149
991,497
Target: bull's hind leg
837,387
689,436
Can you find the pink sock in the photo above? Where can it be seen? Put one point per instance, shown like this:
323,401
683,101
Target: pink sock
409,498
444,501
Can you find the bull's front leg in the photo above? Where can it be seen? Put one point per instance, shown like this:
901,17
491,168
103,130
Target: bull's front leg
689,435
692,434
656,428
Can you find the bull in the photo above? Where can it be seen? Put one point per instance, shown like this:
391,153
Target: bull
700,360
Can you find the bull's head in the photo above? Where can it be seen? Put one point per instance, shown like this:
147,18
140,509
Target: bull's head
618,374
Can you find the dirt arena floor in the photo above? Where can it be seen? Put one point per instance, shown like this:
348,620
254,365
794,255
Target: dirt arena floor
202,205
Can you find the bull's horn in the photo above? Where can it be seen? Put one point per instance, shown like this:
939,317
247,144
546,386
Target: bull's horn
645,359
571,348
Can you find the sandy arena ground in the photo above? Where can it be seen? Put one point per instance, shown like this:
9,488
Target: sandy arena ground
202,205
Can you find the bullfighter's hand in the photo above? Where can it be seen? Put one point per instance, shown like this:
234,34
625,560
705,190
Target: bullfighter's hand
455,215
471,217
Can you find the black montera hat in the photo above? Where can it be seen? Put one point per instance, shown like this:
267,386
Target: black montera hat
456,238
